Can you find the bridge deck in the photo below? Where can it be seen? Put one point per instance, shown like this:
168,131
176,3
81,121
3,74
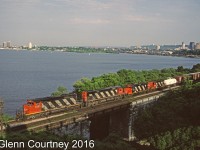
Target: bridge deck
56,121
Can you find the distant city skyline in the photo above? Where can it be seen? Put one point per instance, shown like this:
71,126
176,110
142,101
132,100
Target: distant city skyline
99,22
8,44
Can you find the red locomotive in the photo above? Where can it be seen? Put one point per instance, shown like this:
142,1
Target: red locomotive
151,85
32,107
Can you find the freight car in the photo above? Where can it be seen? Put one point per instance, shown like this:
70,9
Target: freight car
191,76
170,81
195,76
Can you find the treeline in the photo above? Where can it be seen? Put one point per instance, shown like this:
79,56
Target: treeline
186,52
124,77
173,121
89,50
77,49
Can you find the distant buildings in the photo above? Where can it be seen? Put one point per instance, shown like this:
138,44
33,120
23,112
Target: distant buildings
197,46
4,44
7,44
192,45
157,47
183,45
30,45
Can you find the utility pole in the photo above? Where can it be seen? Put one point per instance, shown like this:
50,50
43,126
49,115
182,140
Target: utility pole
1,115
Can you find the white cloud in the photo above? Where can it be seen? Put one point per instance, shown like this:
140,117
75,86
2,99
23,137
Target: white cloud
80,4
146,18
88,21
137,18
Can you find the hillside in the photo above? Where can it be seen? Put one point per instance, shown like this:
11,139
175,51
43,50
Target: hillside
173,122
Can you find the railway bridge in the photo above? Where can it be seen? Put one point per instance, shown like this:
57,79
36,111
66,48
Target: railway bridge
94,122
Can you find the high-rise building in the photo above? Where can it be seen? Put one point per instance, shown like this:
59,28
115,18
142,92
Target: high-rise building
4,45
30,45
183,45
8,44
197,46
157,47
192,46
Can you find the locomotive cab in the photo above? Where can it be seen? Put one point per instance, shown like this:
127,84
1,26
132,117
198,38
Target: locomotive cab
151,85
32,107
128,90
120,91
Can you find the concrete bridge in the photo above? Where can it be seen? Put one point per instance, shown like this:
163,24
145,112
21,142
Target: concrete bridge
93,122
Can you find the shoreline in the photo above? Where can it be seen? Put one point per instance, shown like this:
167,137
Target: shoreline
89,52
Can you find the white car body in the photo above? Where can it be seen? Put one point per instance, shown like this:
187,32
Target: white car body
170,81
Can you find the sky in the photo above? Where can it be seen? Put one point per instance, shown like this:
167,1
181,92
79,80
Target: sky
99,22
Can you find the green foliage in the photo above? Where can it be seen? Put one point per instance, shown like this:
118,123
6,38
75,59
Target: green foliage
182,138
113,142
173,121
196,68
60,90
78,49
186,52
7,118
183,70
124,77
187,84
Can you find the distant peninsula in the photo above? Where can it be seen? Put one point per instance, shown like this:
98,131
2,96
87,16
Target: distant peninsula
167,50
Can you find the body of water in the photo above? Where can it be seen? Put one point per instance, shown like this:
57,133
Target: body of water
33,74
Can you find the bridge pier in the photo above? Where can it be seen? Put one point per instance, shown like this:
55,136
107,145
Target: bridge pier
79,128
113,122
119,122
132,115
133,111
122,122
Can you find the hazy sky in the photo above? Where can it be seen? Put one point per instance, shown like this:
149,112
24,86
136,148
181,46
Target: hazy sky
99,22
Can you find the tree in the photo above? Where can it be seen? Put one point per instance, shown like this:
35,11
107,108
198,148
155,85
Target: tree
196,68
60,90
180,69
124,77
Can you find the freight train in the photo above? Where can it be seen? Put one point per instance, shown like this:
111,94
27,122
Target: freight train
40,107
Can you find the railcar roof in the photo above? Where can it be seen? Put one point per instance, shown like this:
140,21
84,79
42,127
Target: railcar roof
108,88
195,73
50,98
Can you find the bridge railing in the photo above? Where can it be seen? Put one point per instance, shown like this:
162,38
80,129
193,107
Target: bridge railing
145,101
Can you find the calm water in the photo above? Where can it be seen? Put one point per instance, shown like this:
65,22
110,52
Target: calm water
29,74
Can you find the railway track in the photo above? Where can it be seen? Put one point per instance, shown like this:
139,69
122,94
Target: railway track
58,120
